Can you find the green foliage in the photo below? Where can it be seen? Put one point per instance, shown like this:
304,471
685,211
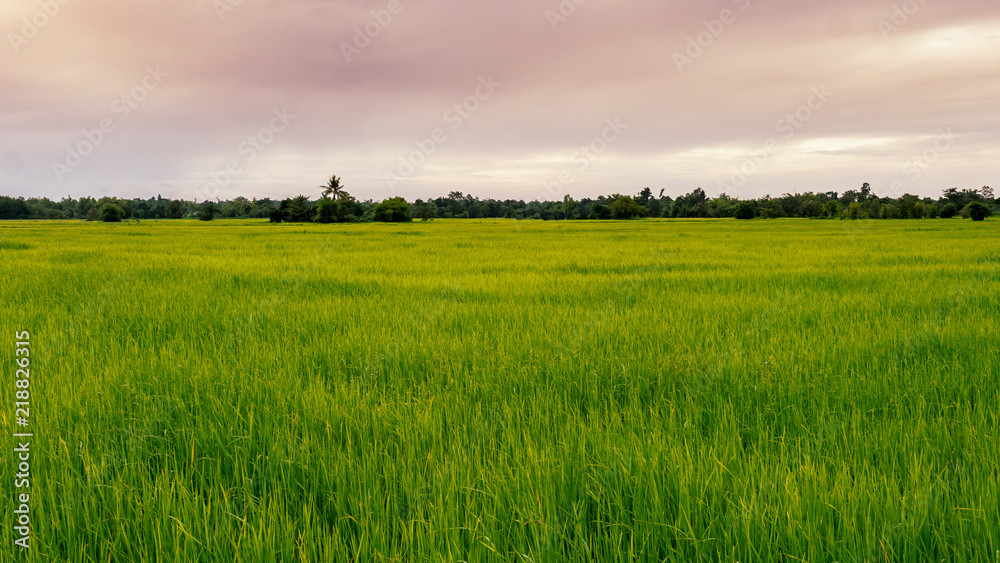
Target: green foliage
569,207
722,206
459,205
425,212
625,207
644,198
744,210
769,208
808,206
327,211
600,211
831,209
334,189
351,210
977,211
393,210
207,211
949,210
14,208
962,198
296,210
111,213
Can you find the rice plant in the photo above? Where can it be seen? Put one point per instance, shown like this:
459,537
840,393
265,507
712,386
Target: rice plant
688,390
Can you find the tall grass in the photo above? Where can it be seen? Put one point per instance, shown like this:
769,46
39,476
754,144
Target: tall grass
507,391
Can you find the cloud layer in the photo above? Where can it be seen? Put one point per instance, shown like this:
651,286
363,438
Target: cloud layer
497,98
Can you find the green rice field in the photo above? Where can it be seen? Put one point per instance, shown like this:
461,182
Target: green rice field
504,391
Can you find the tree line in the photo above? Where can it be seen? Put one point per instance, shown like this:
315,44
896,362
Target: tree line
336,205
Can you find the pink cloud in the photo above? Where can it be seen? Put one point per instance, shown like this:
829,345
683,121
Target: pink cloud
603,60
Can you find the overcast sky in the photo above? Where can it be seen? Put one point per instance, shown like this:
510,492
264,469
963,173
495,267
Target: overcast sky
497,98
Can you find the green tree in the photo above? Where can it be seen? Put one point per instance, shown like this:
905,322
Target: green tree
296,210
949,210
334,188
425,212
11,208
327,211
350,209
769,208
909,204
977,211
111,213
626,208
393,210
599,211
811,206
568,207
207,211
744,211
644,197
174,209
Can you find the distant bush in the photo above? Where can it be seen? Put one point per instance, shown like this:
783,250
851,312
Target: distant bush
111,213
393,210
207,211
327,211
744,211
11,208
425,212
599,211
626,208
977,211
296,210
457,205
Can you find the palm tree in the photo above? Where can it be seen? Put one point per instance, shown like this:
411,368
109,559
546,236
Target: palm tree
334,187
